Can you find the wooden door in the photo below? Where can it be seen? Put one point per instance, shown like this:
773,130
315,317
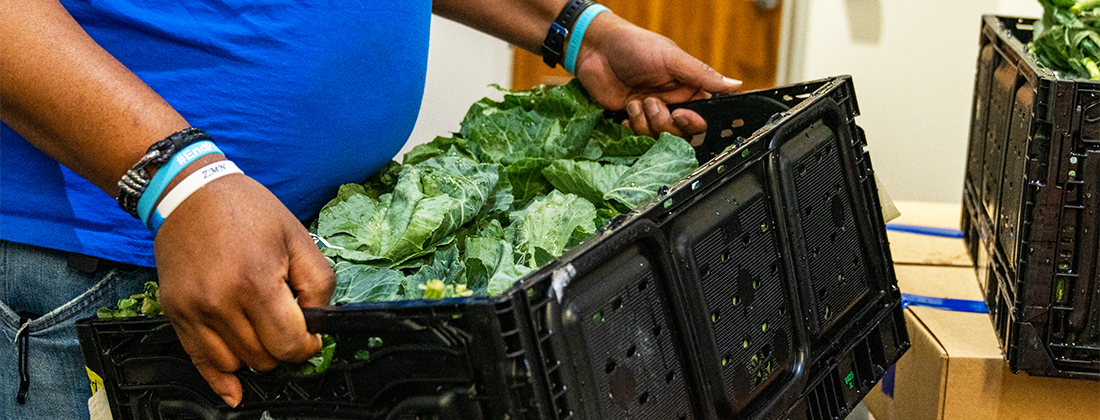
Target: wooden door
736,37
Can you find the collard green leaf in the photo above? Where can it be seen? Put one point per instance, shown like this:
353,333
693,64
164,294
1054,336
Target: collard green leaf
574,136
506,277
629,147
437,197
363,283
510,135
383,181
354,221
440,146
487,252
500,200
527,180
669,160
446,267
588,179
548,223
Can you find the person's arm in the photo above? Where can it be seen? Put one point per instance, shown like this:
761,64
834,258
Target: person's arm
229,259
621,65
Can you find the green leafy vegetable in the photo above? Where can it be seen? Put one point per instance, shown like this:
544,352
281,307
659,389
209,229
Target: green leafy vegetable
665,163
547,224
319,363
146,303
524,180
1067,38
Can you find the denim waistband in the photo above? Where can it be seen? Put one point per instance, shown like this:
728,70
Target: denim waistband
42,295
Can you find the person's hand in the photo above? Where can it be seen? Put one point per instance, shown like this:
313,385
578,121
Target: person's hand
624,66
231,259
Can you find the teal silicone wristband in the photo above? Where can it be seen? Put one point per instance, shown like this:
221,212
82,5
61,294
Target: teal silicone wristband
577,35
165,174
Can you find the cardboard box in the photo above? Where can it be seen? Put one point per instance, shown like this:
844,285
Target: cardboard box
911,248
955,371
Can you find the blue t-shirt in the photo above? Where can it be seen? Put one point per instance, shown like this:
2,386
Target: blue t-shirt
302,96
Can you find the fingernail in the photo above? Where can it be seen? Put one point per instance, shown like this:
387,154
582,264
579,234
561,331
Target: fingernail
651,107
681,121
231,401
633,108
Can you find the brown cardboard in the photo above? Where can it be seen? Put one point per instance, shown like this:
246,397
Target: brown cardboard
955,371
910,248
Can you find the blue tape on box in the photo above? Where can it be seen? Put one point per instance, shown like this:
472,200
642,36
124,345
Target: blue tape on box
957,305
888,382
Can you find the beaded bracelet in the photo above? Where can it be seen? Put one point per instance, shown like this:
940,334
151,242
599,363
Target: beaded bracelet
133,184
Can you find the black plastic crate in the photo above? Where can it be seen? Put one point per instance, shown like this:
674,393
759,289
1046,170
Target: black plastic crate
758,287
781,239
1030,203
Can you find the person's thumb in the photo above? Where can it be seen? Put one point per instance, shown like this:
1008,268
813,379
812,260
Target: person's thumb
311,277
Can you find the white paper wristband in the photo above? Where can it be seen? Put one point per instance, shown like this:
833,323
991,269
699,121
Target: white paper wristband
188,186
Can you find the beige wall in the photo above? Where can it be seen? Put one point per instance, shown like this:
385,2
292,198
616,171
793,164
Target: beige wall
913,65
462,63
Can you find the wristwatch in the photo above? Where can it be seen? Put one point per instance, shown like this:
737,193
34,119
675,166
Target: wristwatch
553,47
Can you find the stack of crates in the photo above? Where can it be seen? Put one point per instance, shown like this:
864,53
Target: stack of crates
1031,196
760,286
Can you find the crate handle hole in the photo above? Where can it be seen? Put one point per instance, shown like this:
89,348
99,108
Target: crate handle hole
630,352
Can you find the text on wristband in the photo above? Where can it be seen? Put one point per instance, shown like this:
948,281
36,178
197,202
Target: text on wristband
189,154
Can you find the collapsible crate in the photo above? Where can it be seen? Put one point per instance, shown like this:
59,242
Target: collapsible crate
1030,201
758,287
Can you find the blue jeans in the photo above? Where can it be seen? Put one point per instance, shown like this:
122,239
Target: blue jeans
41,296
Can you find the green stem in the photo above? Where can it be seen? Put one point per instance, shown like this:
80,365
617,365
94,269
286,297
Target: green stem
1094,71
1083,5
